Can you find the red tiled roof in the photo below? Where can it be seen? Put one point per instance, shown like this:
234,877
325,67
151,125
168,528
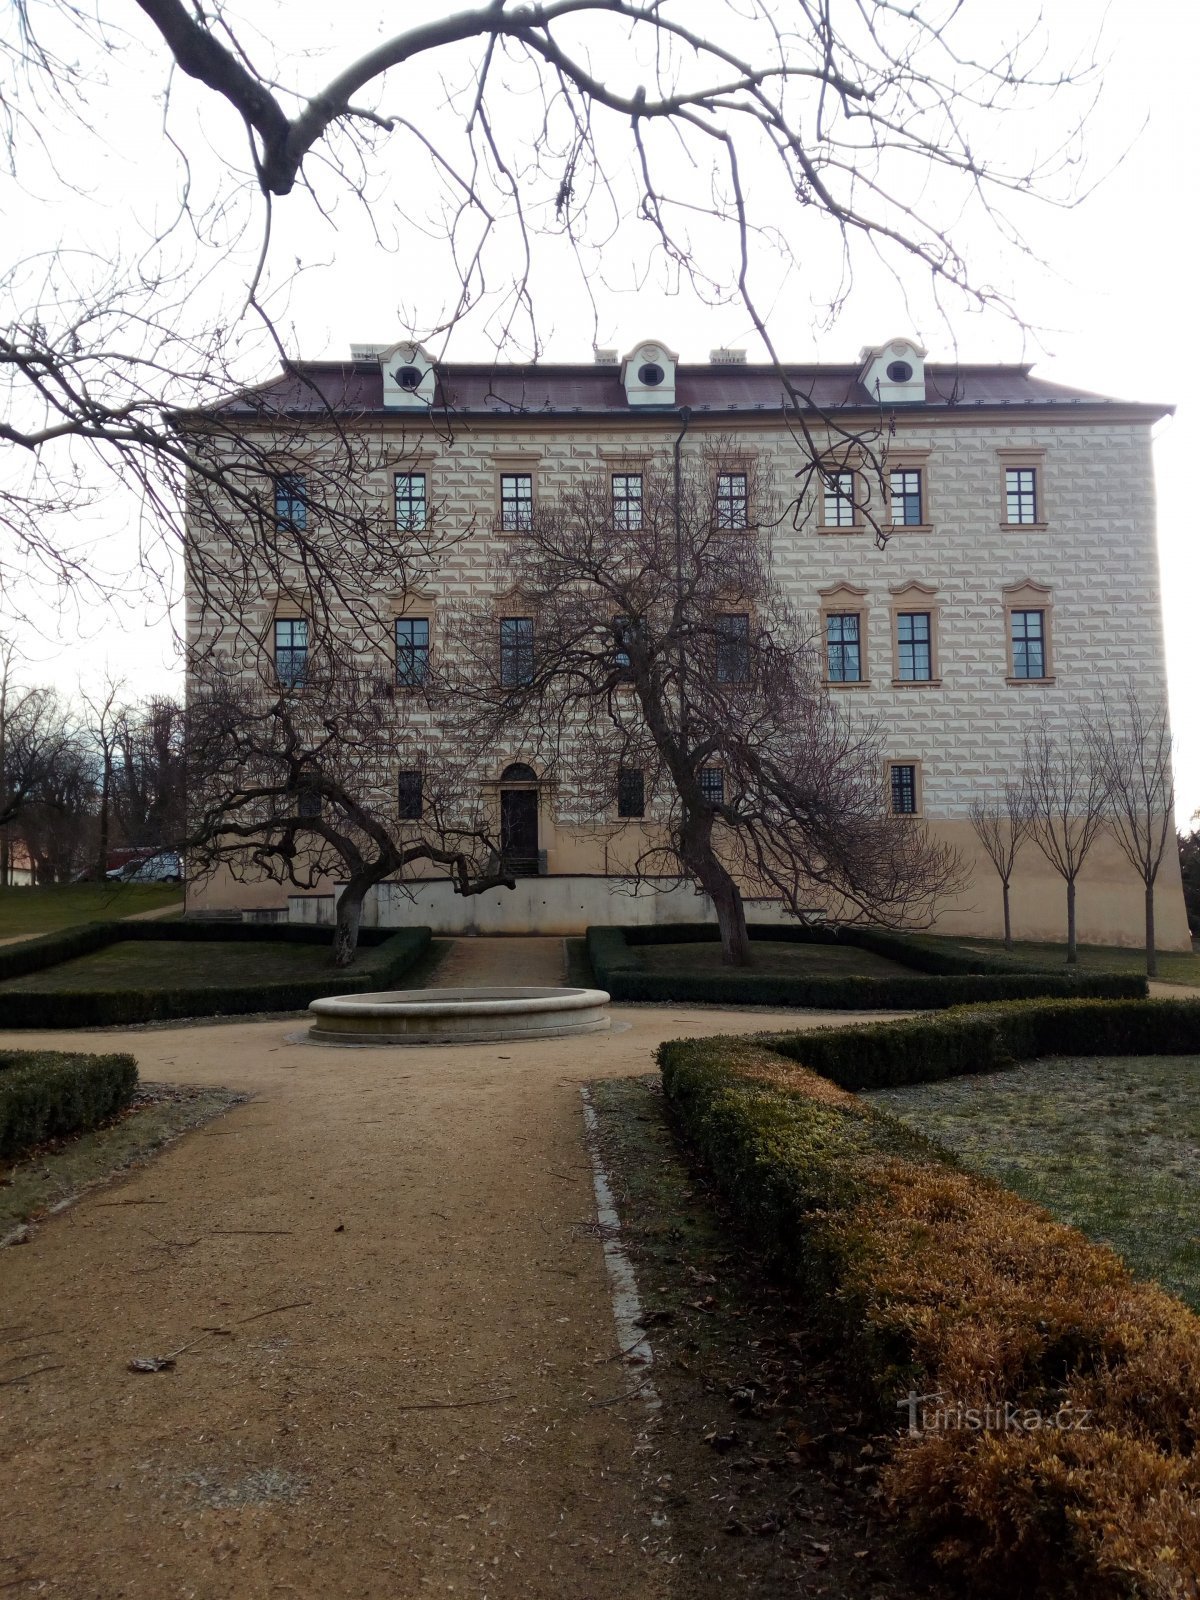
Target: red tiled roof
356,388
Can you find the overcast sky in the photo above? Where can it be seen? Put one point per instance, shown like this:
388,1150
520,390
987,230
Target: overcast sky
1111,305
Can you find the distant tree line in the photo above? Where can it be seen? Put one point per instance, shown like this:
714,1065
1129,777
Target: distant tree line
81,779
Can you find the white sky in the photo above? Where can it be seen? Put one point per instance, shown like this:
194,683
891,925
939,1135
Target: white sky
1113,308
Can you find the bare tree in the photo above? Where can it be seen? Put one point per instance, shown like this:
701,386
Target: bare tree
35,732
653,668
337,776
518,140
1067,788
148,780
1002,823
1134,742
104,713
58,828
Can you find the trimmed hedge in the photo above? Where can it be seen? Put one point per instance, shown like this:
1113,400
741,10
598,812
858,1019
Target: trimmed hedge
611,951
960,1042
399,951
937,1283
46,1094
32,955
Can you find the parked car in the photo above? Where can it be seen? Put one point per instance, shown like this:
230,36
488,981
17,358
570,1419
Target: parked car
165,866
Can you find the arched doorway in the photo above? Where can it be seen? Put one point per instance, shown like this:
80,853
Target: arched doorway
519,820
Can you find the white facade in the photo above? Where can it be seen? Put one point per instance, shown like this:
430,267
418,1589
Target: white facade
1087,562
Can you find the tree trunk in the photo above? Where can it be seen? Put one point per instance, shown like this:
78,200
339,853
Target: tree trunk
1151,952
1007,919
1072,950
731,913
349,915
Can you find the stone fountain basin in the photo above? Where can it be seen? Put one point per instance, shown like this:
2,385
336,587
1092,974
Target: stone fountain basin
457,1016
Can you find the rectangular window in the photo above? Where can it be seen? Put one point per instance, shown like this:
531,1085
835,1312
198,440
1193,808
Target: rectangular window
516,651
905,489
843,647
914,652
411,801
631,792
733,648
904,789
712,785
291,650
839,500
291,502
308,801
412,651
411,506
627,501
1028,644
732,500
516,501
621,633
1020,494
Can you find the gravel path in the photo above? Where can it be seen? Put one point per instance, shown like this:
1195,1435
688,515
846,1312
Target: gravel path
403,1375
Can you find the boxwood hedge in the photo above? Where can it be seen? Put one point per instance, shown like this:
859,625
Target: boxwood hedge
943,1286
942,978
46,1094
398,950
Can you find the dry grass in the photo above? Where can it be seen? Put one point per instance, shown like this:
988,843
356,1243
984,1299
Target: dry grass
1109,1144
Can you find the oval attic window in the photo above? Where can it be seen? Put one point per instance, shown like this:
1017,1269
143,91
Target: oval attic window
899,372
409,377
651,374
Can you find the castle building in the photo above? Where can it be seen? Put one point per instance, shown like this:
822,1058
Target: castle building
1018,580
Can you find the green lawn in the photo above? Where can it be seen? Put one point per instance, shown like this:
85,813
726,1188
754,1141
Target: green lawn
1174,966
193,965
34,911
771,959
1111,1145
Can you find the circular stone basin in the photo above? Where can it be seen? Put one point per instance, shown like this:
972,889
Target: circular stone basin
456,1016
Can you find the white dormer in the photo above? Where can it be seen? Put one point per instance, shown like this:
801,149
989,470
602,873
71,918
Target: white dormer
893,373
409,376
648,373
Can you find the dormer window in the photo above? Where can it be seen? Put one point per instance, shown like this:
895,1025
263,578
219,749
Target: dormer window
648,373
409,376
894,373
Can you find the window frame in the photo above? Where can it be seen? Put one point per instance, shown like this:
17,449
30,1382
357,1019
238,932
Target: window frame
288,501
1023,459
710,771
518,650
845,599
729,639
907,470
901,764
625,779
839,498
731,506
418,677
843,617
913,642
624,521
410,810
915,599
519,520
291,679
1028,596
408,524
